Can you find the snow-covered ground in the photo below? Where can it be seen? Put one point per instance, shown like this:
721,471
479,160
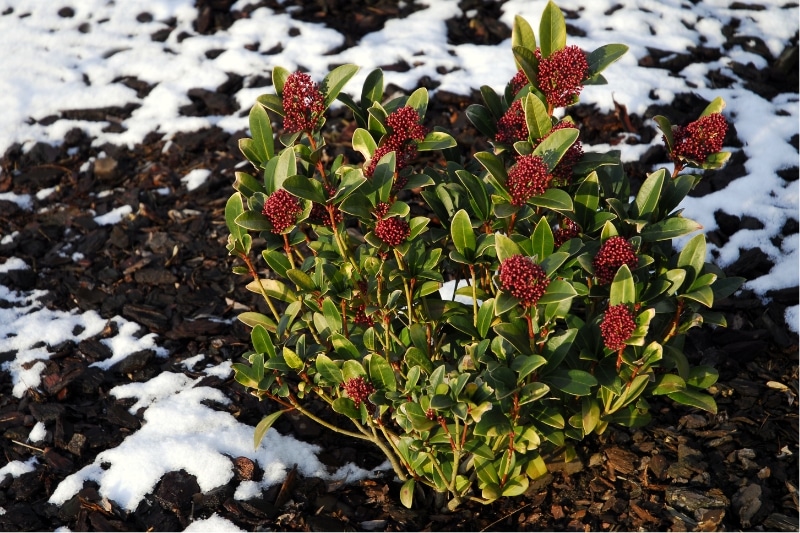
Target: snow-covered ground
52,62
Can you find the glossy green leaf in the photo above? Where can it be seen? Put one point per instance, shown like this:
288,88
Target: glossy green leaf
600,58
536,117
477,192
279,76
301,279
462,234
263,426
557,290
669,229
332,315
346,407
666,129
552,30
649,194
494,165
381,373
253,221
515,486
307,188
716,106
436,140
234,207
252,319
527,61
523,365
668,383
262,342
344,347
575,382
623,289
482,119
553,148
694,398
692,258
555,199
328,369
485,317
702,376
261,131
292,359
407,493
273,288
506,247
335,81
590,414
522,34
703,295
542,239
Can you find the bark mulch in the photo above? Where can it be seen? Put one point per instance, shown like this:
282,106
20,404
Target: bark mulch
166,268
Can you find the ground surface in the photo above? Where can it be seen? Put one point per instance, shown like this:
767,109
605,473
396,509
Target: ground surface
165,267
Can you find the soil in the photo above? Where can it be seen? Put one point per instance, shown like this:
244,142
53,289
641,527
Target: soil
166,268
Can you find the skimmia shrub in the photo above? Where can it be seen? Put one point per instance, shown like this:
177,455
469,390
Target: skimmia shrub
577,302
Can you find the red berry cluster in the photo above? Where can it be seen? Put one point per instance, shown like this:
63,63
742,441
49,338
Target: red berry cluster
512,127
519,81
614,253
562,173
319,212
381,209
523,279
405,132
568,230
281,208
303,103
393,230
617,326
698,139
360,316
358,389
562,74
529,177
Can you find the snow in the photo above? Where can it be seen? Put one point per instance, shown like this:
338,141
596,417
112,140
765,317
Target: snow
54,63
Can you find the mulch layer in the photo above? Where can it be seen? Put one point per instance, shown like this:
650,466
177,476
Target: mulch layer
166,268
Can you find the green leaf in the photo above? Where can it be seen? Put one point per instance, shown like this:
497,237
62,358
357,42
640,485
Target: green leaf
418,100
436,140
364,143
506,247
623,289
518,339
692,258
263,427
702,376
522,34
575,382
536,117
332,315
261,130
248,185
669,229
667,384
494,165
515,486
335,81
381,373
463,235
590,414
482,119
542,239
344,347
649,194
553,148
286,166
666,128
602,57
416,416
525,364
555,199
262,342
587,199
416,357
273,102
557,291
492,424
252,319
724,287
485,317
292,359
307,188
703,295
279,75
552,30
527,61
301,279
372,90
277,261
407,493
477,192
253,221
716,106
233,208
695,399
273,288
328,369
346,407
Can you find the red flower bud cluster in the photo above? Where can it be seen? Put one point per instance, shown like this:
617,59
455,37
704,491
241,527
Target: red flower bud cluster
319,212
562,173
358,390
393,230
405,133
523,279
614,253
568,230
303,103
698,139
381,209
519,81
512,127
562,74
617,326
281,208
529,177
361,318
